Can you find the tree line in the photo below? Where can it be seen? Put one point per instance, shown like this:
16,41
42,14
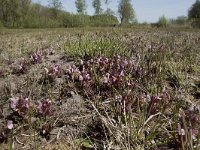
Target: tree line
26,14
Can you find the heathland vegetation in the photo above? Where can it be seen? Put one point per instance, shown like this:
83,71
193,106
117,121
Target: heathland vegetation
99,88
127,87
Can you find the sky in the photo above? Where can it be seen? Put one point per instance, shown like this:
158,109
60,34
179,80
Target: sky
146,10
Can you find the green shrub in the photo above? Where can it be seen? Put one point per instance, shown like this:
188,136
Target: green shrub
195,23
163,22
76,20
103,20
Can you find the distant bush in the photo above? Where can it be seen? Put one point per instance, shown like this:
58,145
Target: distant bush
163,22
195,23
75,20
144,25
181,20
194,14
80,20
103,20
42,23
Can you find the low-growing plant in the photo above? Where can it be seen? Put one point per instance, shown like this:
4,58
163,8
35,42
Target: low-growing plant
43,108
6,131
105,74
36,57
51,73
20,67
20,105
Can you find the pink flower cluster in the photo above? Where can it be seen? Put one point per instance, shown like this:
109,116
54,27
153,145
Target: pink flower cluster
102,74
4,133
36,57
20,67
188,124
54,71
22,105
43,107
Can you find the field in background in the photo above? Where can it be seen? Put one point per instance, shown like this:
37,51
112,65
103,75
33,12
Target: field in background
99,88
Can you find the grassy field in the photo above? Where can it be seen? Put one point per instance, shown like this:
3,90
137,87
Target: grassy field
100,88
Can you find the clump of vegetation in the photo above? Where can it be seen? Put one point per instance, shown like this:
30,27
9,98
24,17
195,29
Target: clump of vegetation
36,57
163,22
102,75
194,14
20,67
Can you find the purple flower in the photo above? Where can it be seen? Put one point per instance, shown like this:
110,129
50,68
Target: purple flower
44,107
36,57
76,71
180,130
23,103
20,105
39,107
121,73
14,102
54,71
118,98
125,62
69,69
20,67
10,124
105,79
155,99
88,77
56,68
148,98
114,78
80,78
194,133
